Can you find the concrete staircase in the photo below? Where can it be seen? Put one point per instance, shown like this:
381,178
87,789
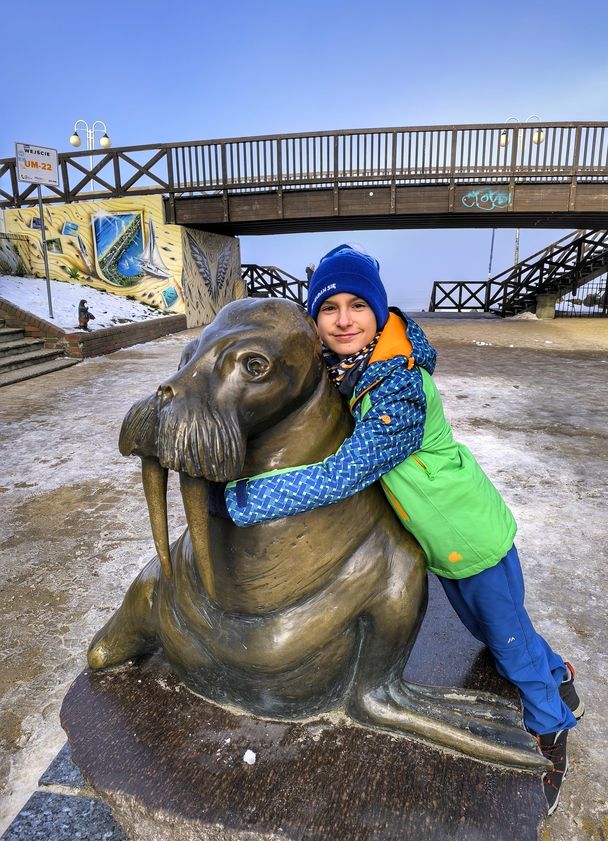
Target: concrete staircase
22,358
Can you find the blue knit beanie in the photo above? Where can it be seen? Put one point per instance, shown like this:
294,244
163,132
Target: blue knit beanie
344,269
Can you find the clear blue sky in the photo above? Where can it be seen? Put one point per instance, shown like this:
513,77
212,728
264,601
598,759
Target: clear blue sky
192,69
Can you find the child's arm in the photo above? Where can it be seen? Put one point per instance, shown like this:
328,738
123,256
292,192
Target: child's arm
390,431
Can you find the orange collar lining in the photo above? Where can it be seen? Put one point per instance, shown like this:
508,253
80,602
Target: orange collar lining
393,341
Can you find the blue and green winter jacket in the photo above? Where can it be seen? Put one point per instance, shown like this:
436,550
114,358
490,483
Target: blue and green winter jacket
401,436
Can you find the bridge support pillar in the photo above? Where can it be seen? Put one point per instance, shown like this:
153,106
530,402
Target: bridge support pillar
545,305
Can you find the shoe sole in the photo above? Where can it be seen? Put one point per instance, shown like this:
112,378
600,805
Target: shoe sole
579,712
555,805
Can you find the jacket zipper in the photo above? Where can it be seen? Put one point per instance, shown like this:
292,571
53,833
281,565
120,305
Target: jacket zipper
363,393
395,502
421,464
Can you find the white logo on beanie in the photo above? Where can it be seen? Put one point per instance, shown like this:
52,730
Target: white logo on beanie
322,292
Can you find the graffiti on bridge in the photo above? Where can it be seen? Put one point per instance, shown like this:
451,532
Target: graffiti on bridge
486,199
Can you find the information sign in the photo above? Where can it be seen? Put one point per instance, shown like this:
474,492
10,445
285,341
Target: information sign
37,164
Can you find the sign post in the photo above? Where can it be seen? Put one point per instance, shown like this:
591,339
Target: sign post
39,165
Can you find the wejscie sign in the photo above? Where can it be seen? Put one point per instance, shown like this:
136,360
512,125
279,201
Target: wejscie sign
37,164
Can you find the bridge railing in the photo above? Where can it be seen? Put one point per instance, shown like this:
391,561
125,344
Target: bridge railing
272,282
362,157
416,155
572,260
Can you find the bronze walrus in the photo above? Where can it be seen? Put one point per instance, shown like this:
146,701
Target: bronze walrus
297,616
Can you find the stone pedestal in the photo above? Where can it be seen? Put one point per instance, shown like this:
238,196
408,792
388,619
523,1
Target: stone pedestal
545,305
173,767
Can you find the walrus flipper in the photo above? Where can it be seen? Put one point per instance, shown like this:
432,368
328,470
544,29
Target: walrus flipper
469,701
453,718
131,631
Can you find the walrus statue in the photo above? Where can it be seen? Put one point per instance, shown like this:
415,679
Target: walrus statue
298,616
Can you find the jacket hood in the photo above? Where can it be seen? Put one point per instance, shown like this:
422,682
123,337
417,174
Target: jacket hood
423,352
401,336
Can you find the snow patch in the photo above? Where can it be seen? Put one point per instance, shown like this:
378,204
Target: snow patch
30,294
523,316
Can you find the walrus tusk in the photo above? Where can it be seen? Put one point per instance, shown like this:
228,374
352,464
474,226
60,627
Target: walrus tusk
196,505
154,480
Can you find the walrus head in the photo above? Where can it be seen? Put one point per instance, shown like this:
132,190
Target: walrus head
255,364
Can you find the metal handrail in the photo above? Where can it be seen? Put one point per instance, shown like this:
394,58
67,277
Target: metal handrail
492,153
567,263
272,282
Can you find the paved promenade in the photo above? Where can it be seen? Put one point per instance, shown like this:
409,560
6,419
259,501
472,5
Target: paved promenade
529,398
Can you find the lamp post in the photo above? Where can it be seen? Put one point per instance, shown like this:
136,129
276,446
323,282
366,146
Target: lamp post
538,136
90,131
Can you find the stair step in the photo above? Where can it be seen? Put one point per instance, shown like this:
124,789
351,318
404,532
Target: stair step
7,334
21,345
22,360
19,374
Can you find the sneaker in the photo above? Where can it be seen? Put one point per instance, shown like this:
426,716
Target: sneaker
569,695
553,746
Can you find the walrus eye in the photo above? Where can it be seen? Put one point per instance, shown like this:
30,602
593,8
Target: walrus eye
256,366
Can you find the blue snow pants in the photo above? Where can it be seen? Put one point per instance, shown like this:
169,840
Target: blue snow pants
491,605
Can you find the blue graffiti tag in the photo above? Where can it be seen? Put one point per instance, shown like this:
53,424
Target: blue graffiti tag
486,199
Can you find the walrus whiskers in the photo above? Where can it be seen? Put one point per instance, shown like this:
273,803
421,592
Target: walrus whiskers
227,446
205,445
139,429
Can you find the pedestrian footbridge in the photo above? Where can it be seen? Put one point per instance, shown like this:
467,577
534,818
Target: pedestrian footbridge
552,175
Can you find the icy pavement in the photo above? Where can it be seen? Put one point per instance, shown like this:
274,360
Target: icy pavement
74,531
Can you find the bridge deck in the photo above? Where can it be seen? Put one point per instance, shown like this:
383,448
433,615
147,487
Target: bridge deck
440,206
499,175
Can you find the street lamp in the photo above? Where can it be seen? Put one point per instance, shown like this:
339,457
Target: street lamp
104,140
538,136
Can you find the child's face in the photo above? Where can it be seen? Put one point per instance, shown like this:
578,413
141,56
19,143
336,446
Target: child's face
346,323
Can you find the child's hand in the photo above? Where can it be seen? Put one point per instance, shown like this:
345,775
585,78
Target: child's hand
217,503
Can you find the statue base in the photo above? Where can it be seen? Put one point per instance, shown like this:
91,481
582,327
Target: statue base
173,767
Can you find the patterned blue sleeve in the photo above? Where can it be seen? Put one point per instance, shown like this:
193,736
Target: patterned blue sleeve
390,431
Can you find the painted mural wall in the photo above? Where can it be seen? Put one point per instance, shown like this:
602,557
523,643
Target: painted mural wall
118,245
124,247
211,275
10,261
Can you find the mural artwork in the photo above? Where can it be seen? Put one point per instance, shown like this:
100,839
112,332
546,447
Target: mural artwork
114,245
124,247
10,259
211,275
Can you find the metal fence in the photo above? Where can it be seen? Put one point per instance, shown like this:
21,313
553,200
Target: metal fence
588,301
272,282
570,262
